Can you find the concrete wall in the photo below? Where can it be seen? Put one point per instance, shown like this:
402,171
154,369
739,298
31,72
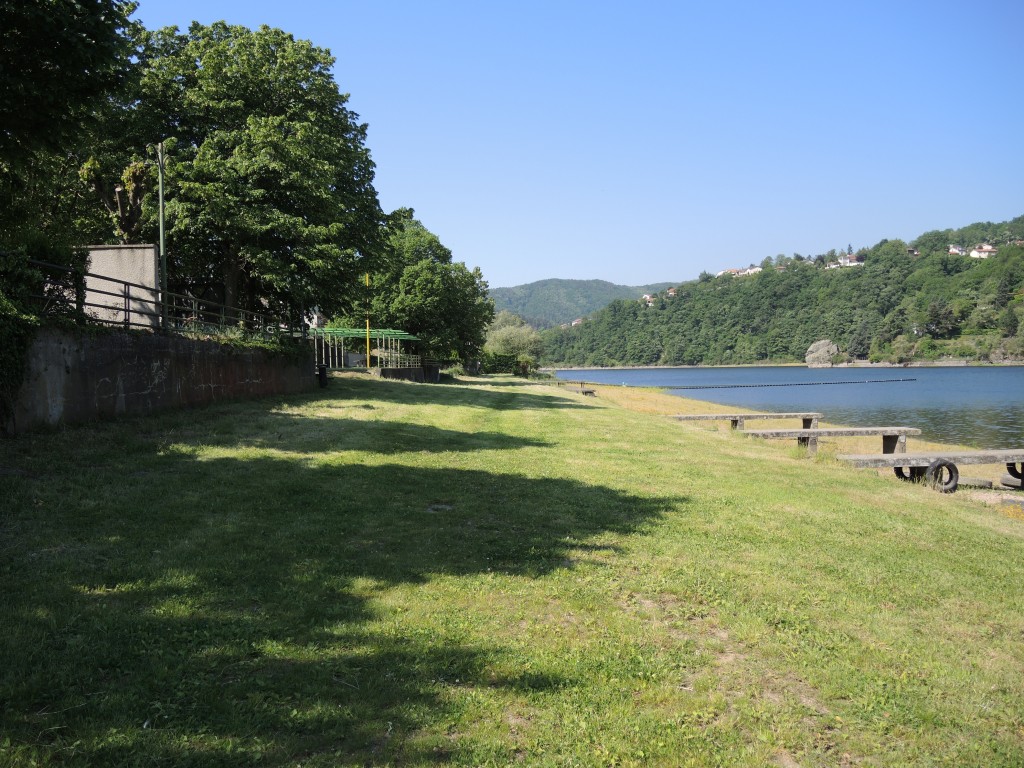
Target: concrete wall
136,264
405,374
72,379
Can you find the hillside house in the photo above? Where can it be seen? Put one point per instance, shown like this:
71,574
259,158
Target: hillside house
983,251
956,250
845,261
739,272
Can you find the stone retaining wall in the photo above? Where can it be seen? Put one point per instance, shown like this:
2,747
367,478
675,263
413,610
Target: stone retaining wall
73,379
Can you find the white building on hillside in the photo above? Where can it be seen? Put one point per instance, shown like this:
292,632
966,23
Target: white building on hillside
983,251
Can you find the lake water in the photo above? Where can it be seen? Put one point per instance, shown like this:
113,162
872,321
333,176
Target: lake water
982,407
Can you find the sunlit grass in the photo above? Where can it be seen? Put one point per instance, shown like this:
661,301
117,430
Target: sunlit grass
654,401
492,573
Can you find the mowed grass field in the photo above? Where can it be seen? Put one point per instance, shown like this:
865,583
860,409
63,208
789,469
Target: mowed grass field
493,572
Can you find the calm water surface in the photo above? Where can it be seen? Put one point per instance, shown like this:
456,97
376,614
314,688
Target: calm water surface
982,407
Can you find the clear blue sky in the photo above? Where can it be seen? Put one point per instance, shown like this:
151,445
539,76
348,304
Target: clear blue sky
647,141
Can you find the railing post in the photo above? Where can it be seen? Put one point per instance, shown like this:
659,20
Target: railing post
78,277
127,306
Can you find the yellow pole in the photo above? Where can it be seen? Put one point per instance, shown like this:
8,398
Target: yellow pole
367,321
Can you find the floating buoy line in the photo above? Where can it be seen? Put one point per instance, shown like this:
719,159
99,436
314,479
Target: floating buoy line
786,384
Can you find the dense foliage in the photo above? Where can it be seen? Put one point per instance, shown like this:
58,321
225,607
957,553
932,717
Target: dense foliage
269,184
420,289
270,202
58,58
59,61
512,346
551,302
904,302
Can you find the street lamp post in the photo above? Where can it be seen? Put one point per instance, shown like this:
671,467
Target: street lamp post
367,321
163,251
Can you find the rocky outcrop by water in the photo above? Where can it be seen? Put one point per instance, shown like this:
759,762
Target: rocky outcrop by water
820,354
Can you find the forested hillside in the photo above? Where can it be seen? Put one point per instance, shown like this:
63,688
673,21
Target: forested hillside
903,302
552,302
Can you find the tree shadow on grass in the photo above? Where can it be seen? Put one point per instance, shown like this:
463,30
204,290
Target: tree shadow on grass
302,433
235,619
505,396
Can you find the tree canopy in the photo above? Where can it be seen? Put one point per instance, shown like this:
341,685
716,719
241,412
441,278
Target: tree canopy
59,60
509,334
59,57
270,202
270,197
512,346
421,290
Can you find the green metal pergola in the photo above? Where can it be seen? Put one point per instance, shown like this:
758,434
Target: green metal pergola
386,344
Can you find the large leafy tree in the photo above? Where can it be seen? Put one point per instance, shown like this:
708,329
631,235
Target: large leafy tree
420,289
511,341
509,334
57,58
269,184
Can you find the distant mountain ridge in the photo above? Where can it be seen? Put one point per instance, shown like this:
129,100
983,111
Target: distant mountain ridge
547,303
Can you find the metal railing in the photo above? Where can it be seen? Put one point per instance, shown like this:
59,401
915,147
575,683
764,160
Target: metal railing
346,348
388,359
66,291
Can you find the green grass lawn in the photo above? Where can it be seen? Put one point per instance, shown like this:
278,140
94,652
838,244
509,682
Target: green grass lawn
491,573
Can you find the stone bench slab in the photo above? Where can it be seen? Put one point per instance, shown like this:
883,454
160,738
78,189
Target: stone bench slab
810,419
832,432
881,461
894,439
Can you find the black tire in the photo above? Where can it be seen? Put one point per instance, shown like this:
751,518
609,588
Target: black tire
942,476
909,474
1014,469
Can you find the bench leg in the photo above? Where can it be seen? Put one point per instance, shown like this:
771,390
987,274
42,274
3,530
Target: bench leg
894,443
811,423
736,423
811,442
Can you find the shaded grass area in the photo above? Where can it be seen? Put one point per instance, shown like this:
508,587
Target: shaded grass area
491,573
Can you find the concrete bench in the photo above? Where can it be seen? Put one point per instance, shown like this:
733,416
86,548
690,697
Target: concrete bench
736,420
894,439
938,468
577,386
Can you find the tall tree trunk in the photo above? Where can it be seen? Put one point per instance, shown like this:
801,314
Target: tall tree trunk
232,281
